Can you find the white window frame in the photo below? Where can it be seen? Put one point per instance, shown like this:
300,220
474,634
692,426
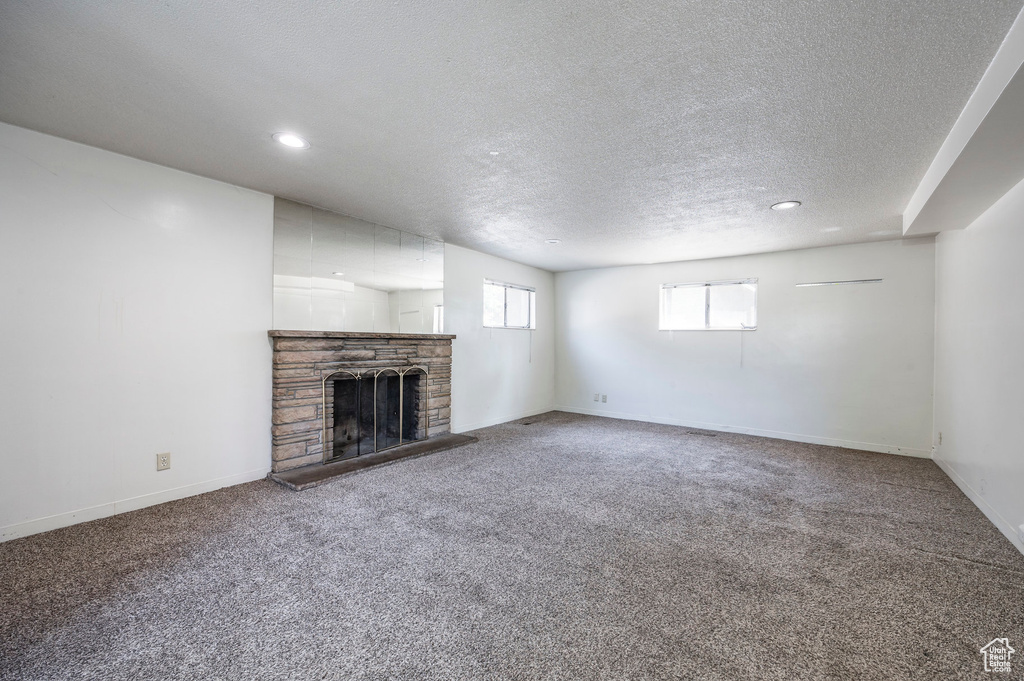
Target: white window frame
531,322
707,304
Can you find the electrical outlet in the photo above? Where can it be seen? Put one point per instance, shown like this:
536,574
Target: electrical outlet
597,397
604,398
163,461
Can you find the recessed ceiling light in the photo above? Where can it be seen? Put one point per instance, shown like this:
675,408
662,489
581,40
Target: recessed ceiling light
495,153
553,242
290,139
785,205
422,260
832,229
339,274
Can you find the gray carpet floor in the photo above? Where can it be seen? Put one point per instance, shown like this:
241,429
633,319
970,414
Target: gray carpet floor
556,547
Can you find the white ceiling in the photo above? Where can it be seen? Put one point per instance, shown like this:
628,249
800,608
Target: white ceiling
634,131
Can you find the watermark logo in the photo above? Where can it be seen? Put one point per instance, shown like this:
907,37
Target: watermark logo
997,655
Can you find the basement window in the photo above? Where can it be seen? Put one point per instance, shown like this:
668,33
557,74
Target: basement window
709,306
509,306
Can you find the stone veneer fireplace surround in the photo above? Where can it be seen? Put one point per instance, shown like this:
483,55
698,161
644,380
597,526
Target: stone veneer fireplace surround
302,359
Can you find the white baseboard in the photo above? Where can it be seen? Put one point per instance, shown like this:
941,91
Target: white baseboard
465,427
54,522
793,437
1004,525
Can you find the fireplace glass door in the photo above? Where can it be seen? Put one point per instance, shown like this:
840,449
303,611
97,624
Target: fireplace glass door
374,412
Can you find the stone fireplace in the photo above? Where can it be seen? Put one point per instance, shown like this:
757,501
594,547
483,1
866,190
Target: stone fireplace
338,395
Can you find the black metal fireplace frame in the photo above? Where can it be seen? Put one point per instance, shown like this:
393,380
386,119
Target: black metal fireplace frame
328,447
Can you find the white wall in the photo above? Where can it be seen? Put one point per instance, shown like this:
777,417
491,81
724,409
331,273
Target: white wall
842,365
135,302
497,374
979,361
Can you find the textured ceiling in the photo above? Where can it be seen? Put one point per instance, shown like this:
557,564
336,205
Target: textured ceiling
634,131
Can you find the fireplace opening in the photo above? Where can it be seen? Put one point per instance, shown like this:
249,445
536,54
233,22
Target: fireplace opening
371,412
